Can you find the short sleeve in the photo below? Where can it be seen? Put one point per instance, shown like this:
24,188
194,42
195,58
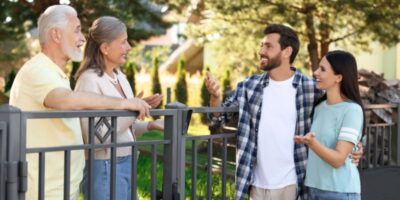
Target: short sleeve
42,81
351,129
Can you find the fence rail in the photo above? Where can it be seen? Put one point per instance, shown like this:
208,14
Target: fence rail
382,148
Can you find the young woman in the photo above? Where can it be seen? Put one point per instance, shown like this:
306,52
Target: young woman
106,49
338,124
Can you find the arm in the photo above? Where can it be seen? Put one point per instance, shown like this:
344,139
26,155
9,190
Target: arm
64,99
334,157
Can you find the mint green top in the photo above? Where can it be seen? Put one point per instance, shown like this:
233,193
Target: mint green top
342,121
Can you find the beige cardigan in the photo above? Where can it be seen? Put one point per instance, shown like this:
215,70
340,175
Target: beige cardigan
89,81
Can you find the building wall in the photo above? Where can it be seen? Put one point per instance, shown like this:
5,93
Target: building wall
380,60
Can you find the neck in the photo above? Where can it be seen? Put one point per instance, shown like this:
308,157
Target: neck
281,73
109,67
334,96
56,55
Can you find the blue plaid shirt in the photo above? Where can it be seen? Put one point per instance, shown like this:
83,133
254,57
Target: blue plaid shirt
248,97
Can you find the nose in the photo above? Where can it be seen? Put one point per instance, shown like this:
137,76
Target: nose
316,72
82,37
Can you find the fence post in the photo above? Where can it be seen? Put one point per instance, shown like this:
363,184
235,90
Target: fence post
13,164
179,130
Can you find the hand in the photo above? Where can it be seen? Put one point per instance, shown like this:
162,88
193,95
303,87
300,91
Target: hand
156,125
212,86
307,139
356,156
137,104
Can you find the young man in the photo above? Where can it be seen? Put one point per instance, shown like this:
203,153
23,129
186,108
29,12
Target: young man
274,107
42,85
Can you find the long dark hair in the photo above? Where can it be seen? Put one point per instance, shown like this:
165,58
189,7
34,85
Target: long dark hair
103,30
343,63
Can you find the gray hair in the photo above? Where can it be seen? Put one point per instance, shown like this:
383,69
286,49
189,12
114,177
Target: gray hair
54,16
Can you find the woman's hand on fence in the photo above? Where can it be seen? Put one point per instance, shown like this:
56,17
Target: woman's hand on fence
306,139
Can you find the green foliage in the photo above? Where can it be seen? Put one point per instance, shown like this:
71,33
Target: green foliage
233,29
74,69
156,85
226,84
181,93
143,18
130,72
205,95
10,80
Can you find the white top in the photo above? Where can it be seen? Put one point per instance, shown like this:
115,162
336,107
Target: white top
275,166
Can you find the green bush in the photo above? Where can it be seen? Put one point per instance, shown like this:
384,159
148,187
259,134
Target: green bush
181,93
130,72
226,84
156,85
205,95
74,69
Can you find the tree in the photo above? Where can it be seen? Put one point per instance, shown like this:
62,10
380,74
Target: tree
156,85
205,95
181,93
130,72
226,84
234,28
142,18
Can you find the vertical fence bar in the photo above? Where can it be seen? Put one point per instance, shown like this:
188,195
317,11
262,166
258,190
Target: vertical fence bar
368,161
376,147
383,133
3,144
169,173
389,145
224,160
194,169
153,171
113,158
41,175
67,174
398,135
134,172
209,168
90,162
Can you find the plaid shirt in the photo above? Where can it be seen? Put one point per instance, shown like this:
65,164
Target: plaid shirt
248,96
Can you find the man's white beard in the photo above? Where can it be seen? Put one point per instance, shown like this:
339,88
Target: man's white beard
76,56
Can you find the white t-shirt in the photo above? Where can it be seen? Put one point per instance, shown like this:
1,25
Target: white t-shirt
275,166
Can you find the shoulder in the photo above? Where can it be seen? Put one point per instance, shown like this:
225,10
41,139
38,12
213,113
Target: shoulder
89,74
353,107
251,80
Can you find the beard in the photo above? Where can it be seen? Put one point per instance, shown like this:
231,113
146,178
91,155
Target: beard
71,53
272,63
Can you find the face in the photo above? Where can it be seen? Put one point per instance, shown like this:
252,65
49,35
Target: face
325,76
270,52
115,52
73,39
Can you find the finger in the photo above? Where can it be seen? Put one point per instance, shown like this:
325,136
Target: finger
140,95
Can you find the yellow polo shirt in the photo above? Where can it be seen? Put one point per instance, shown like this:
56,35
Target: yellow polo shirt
34,81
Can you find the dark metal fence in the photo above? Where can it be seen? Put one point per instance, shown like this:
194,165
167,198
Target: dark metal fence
381,149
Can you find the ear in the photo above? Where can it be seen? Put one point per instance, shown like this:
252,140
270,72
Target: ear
55,34
287,52
104,48
339,78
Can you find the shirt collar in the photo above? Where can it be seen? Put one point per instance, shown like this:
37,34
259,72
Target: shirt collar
52,65
295,83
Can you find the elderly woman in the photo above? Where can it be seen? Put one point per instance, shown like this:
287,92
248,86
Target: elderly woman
106,50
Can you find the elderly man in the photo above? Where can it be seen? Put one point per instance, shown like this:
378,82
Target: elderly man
42,85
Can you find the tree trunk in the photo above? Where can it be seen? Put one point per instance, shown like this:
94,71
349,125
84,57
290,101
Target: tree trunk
312,46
